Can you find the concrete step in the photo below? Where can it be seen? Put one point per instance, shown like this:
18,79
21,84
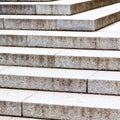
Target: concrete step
89,20
60,58
17,118
102,39
65,80
55,105
61,7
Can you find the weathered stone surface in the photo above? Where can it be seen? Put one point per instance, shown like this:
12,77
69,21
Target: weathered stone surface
104,83
60,7
87,21
13,40
61,39
72,106
10,101
45,79
39,57
1,23
34,24
17,9
91,59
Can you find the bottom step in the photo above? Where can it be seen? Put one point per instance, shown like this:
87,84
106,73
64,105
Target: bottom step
56,105
16,118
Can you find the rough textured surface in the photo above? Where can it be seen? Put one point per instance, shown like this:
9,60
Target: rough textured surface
13,40
45,79
105,38
67,77
79,21
72,106
80,59
10,101
104,83
60,7
60,58
1,24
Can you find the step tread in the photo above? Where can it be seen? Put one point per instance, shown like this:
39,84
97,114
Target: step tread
58,2
15,95
57,98
16,118
89,15
89,21
60,52
60,73
86,81
62,7
46,72
109,31
33,103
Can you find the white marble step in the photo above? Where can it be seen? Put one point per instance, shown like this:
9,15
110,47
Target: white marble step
56,105
60,58
89,20
106,38
66,80
60,7
17,118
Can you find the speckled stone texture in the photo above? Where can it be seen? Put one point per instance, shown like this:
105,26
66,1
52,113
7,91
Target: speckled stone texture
60,7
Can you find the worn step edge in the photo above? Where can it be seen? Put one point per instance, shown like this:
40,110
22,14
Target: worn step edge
55,105
53,8
87,21
60,58
67,80
60,39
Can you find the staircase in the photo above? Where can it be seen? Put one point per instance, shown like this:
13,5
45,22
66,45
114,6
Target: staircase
60,60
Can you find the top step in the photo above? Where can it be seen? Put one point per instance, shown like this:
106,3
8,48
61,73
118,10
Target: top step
58,7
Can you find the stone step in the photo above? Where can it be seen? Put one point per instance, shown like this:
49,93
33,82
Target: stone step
56,105
102,39
65,80
17,118
89,20
60,58
61,7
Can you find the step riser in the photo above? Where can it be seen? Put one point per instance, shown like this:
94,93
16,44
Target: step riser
53,9
58,61
60,42
61,84
57,112
63,112
49,24
38,104
91,5
47,84
31,24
